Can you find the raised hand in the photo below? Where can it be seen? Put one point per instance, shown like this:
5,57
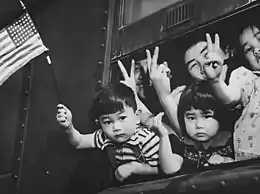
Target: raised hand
159,74
158,127
64,116
214,59
128,80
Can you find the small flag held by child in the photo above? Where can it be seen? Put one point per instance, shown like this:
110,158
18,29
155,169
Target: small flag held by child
20,42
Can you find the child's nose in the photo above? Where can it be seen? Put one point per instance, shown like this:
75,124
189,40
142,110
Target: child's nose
117,126
199,124
256,51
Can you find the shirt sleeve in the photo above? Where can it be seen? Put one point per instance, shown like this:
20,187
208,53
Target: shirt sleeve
99,139
150,147
177,145
244,79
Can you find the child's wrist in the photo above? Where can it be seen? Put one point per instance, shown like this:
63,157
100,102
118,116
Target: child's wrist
214,81
135,166
69,128
164,135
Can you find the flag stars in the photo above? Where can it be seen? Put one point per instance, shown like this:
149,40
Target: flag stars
22,30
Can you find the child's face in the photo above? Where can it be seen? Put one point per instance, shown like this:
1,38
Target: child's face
139,77
250,41
195,58
120,126
201,125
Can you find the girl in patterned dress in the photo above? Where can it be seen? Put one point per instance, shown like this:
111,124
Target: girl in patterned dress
241,92
200,118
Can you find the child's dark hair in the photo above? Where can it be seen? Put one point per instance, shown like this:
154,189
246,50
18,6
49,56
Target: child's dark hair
198,96
111,99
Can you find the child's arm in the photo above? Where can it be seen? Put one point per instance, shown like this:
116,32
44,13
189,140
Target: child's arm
159,74
170,162
80,141
130,82
213,67
126,170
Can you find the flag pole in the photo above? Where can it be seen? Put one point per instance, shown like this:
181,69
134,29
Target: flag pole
22,4
48,58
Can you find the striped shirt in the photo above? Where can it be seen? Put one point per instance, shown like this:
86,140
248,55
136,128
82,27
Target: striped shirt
142,147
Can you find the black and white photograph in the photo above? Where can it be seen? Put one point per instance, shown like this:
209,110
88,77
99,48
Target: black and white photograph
129,96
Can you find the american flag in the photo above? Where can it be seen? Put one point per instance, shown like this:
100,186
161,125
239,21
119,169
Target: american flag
20,42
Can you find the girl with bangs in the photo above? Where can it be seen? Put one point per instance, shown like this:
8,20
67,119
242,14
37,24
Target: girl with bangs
206,142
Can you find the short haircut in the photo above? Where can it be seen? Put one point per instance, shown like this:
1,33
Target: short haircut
111,99
198,95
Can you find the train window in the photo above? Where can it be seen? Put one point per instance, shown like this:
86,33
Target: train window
173,51
135,10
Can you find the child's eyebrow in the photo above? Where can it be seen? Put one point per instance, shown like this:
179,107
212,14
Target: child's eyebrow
189,62
104,117
204,48
208,112
189,113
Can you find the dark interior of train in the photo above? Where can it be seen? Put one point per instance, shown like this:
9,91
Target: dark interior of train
172,50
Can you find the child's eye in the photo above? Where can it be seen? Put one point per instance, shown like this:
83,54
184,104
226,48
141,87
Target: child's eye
122,118
190,117
194,65
207,116
247,50
107,122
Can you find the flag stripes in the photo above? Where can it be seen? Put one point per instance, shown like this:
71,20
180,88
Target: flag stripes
19,43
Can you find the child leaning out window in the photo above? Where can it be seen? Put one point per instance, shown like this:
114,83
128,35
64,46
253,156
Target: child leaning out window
199,114
135,149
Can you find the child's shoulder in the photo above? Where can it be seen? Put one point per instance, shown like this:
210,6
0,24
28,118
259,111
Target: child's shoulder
143,134
242,73
143,131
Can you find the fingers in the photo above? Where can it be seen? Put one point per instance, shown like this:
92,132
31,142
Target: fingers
163,68
223,73
118,176
217,41
132,71
155,58
123,70
149,60
209,42
126,83
59,106
158,119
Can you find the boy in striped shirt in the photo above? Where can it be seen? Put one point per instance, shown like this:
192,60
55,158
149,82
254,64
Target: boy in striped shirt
135,149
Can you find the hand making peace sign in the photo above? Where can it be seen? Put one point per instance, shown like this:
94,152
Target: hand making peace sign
159,74
128,80
215,59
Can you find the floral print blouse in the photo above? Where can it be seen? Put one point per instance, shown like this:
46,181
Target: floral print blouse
247,127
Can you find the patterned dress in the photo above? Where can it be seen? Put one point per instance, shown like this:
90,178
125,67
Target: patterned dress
197,156
247,127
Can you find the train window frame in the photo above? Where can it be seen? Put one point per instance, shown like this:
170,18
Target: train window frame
125,55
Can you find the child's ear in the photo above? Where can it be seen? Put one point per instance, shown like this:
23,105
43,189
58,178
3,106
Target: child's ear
138,113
